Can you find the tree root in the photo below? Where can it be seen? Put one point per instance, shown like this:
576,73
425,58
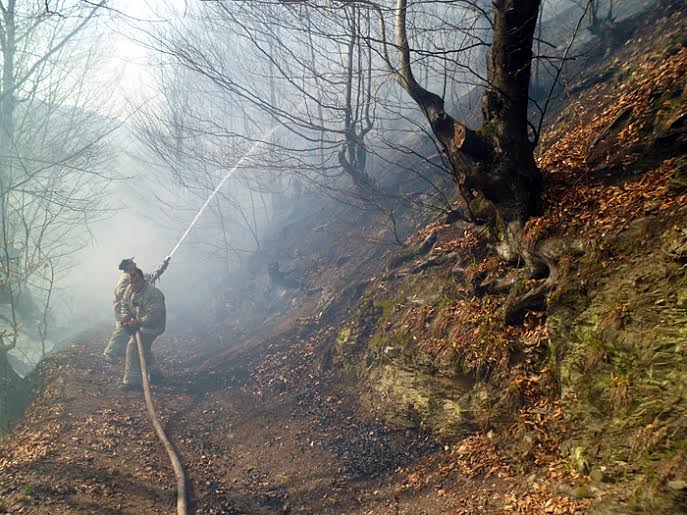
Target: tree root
546,255
533,300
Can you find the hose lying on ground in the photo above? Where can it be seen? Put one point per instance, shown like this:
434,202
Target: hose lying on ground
173,457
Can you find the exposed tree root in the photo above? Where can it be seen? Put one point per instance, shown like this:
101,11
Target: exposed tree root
533,300
545,256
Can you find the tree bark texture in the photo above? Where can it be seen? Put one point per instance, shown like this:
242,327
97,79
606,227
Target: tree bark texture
505,170
504,106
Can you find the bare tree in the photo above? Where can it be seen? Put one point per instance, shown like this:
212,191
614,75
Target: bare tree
51,148
602,24
317,71
502,165
296,96
357,118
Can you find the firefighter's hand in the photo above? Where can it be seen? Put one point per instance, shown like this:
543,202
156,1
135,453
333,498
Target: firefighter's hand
165,263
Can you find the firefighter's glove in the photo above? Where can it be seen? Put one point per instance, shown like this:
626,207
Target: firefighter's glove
131,325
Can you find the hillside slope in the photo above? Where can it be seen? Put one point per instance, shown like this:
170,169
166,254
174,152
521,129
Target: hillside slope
590,383
388,381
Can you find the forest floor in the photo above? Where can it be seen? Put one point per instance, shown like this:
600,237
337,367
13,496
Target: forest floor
266,427
86,447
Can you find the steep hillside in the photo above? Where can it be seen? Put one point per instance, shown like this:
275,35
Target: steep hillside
588,375
346,374
575,378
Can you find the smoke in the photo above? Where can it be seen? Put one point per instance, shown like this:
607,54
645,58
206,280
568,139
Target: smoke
151,204
146,221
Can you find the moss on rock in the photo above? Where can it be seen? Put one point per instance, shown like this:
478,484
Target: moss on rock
620,352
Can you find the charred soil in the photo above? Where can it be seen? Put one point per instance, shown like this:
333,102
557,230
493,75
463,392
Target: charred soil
387,381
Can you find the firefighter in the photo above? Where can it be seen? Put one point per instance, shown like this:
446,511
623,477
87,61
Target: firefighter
143,310
116,346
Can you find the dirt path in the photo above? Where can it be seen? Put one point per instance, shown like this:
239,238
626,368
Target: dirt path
265,432
86,447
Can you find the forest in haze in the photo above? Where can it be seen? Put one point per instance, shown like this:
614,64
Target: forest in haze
423,256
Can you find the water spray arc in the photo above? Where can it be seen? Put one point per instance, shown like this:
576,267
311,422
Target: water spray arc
231,172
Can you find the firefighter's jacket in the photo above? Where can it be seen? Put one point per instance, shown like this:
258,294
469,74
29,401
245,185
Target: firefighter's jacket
122,285
148,305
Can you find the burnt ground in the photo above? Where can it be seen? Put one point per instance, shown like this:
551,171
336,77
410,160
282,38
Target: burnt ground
266,426
275,432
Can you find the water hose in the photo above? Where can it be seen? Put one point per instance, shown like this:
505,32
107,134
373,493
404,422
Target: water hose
182,504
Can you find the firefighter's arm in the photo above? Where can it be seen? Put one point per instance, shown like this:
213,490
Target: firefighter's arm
118,300
160,270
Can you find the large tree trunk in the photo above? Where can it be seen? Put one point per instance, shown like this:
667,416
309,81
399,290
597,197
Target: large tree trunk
505,171
504,106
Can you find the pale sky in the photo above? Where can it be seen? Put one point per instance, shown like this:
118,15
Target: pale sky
128,61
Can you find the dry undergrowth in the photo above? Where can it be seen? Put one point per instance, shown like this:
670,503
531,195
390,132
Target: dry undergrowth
592,154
